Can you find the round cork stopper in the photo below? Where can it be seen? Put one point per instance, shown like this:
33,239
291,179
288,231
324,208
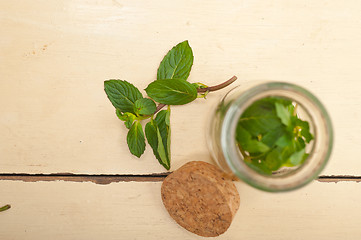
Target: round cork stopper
200,198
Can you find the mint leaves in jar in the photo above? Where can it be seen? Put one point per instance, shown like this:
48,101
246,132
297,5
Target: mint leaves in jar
170,88
270,135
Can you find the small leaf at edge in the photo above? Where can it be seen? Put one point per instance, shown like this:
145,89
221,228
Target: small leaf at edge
136,140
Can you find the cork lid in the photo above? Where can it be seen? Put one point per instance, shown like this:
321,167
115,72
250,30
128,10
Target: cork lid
200,198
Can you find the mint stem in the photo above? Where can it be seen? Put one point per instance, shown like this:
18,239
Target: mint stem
217,87
6,207
203,90
159,107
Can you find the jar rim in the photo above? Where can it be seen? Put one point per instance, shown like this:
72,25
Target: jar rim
302,175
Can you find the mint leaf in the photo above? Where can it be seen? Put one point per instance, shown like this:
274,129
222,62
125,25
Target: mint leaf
260,118
305,129
157,132
144,106
242,135
127,117
248,144
284,140
167,122
266,164
6,207
177,63
171,91
273,160
271,138
167,117
154,139
294,145
122,94
164,130
136,140
259,166
297,157
283,113
254,146
162,151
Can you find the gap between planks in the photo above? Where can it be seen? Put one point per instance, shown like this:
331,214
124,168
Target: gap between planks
113,178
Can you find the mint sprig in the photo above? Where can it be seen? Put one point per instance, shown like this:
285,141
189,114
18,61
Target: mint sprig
170,88
270,135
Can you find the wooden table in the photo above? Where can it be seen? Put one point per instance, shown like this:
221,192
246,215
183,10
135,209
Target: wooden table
65,167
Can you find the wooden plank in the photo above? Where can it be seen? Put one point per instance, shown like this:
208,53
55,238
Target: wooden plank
63,210
55,56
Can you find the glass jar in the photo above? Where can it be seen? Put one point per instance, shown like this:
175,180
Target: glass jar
222,136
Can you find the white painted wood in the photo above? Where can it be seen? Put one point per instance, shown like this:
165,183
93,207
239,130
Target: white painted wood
55,55
64,210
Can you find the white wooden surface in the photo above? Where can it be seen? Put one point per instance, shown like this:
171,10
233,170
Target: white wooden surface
322,211
55,55
55,117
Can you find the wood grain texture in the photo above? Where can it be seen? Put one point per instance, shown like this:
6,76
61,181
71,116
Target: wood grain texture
55,56
63,210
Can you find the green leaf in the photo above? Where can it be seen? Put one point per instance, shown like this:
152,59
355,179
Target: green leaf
167,117
248,144
127,117
260,118
305,129
160,119
6,207
164,130
155,141
144,106
266,164
299,143
119,114
242,136
254,146
122,94
283,113
167,122
293,146
284,140
168,144
259,166
162,151
177,63
199,85
157,132
171,91
297,157
136,140
273,136
273,160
